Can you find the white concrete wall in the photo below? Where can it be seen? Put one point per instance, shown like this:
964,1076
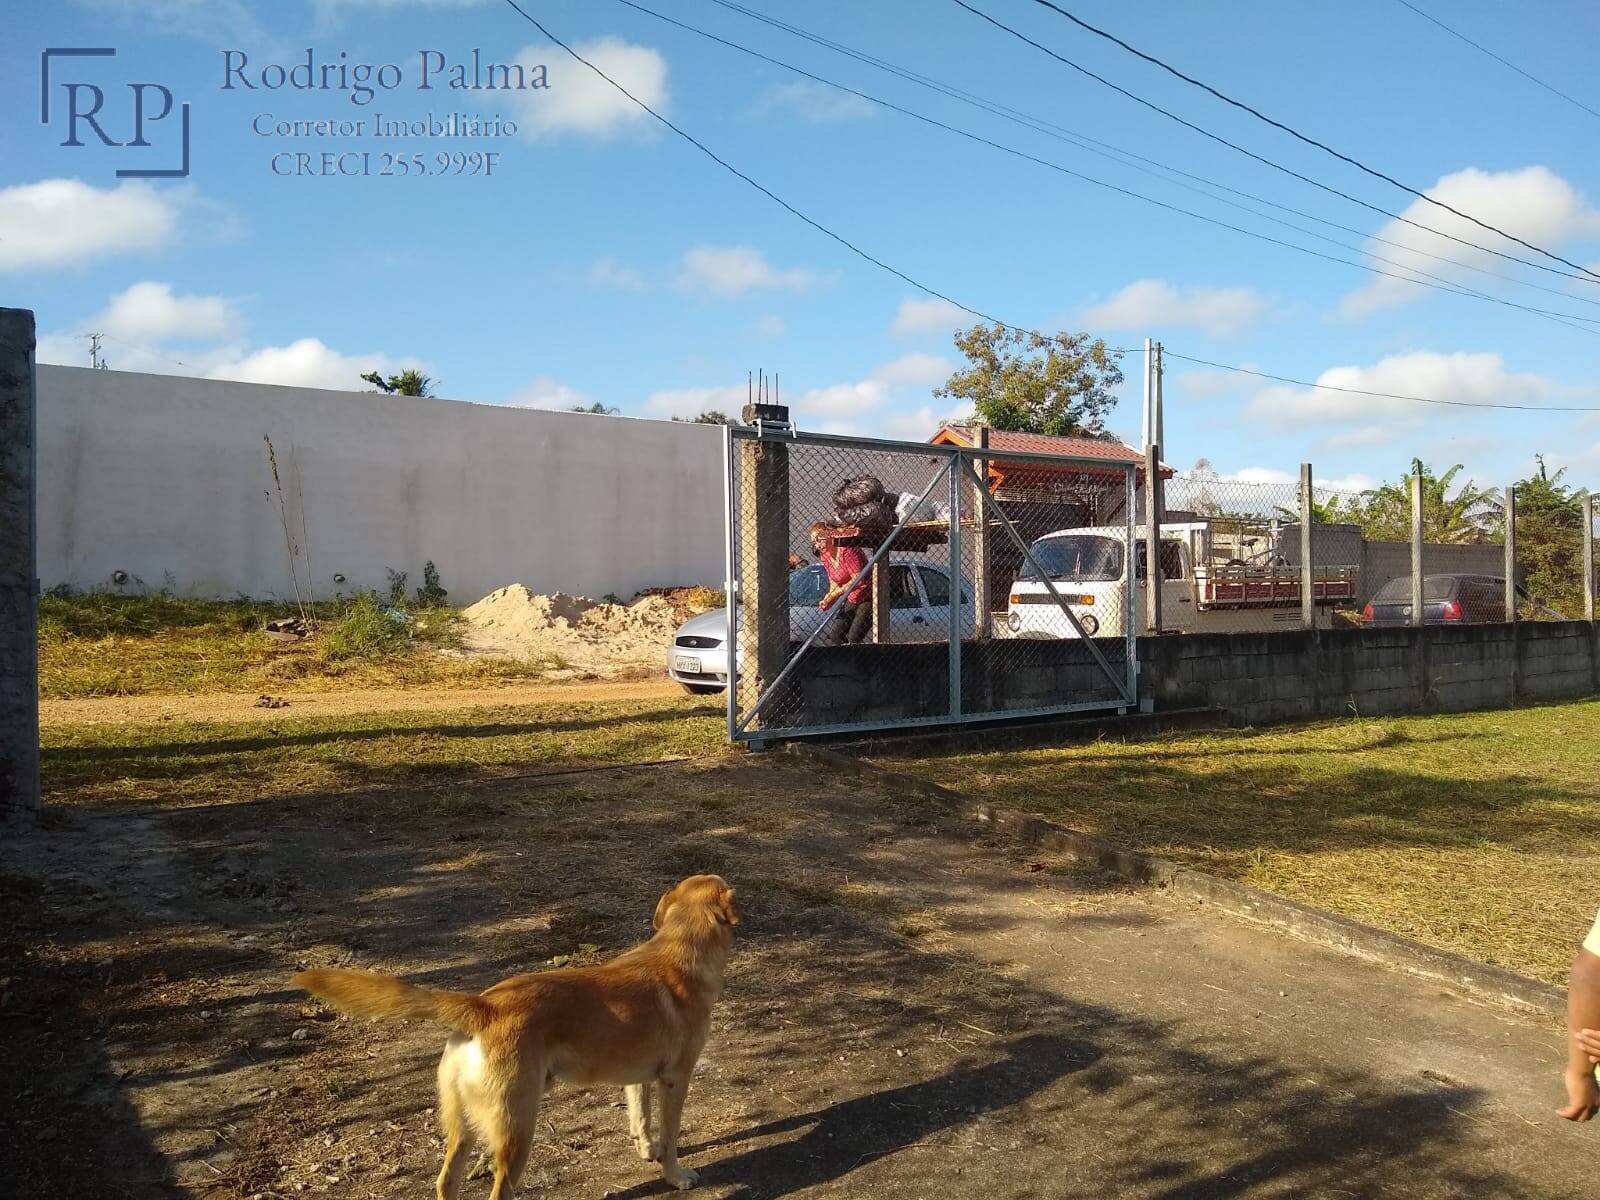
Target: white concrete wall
166,478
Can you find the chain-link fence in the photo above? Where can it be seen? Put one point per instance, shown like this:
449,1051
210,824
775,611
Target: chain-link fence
881,584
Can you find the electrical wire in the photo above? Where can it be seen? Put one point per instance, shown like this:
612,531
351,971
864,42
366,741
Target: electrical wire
1439,282
1584,276
1112,152
1329,387
854,249
1503,62
1306,138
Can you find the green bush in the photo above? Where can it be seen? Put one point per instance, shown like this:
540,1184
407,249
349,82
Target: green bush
367,630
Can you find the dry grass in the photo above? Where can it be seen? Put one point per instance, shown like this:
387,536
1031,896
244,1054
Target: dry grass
104,645
1478,833
183,763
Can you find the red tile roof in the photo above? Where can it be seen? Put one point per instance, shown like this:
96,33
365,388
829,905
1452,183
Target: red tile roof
1043,443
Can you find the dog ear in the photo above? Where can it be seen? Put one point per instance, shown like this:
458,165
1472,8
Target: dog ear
725,907
661,907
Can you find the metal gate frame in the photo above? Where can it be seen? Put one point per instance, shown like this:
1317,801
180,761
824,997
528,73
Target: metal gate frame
959,468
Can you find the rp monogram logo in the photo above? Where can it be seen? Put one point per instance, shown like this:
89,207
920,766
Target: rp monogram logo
90,108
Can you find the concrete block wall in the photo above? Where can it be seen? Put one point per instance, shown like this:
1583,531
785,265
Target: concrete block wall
1254,678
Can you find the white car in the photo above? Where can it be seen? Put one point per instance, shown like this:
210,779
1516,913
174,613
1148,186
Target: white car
919,611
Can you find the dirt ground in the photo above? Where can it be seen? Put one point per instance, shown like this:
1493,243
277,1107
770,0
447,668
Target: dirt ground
908,1013
243,706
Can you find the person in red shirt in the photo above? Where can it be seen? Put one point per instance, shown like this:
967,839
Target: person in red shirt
851,621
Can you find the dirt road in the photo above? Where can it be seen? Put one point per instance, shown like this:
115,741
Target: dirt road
908,1014
243,706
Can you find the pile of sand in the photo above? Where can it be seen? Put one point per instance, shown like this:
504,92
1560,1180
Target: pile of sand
590,637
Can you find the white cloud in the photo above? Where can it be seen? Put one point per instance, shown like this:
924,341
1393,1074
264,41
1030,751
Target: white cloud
927,316
771,325
922,424
579,101
691,402
1206,382
151,312
614,274
815,103
841,399
310,363
735,270
914,370
542,391
1470,378
1149,303
1361,437
1533,203
62,222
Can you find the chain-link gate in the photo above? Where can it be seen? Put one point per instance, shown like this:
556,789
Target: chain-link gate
877,584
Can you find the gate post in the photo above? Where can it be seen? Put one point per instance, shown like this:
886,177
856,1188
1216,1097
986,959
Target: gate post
1154,510
1588,556
1416,549
1308,599
983,612
19,641
764,519
1511,555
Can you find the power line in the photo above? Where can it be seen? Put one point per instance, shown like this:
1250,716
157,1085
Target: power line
1455,33
1250,154
1114,153
1439,282
1329,387
854,249
1307,139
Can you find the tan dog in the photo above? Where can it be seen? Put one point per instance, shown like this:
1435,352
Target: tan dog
638,1020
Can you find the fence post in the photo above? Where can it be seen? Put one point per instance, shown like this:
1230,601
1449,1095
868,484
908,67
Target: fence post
957,609
1416,549
764,522
1308,597
1154,509
1588,556
983,614
1511,555
19,640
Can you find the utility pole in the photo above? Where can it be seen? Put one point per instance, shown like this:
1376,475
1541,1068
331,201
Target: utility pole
1145,411
1158,424
95,358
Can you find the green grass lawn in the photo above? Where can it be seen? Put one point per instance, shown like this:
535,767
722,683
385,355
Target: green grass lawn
178,763
1478,833
97,644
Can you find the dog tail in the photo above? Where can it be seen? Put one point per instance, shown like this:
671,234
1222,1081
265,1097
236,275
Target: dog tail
368,994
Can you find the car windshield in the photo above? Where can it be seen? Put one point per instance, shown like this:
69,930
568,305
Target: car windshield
1078,557
1398,591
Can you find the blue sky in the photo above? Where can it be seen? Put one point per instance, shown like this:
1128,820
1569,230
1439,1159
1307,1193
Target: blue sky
606,260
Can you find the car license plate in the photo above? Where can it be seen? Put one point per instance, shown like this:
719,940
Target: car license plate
686,664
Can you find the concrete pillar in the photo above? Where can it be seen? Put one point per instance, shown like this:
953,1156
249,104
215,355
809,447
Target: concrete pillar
982,574
1416,549
1588,557
19,633
1308,578
1154,509
1511,554
764,532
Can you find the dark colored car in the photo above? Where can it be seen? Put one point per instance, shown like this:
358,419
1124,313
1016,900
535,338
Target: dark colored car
1451,600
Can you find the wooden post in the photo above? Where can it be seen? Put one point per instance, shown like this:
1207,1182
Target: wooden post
764,527
981,567
881,633
1308,577
19,588
1416,549
1511,555
1154,509
1588,556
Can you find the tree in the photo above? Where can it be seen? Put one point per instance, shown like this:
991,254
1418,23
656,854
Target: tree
710,417
407,383
597,408
1550,540
1384,513
1027,383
